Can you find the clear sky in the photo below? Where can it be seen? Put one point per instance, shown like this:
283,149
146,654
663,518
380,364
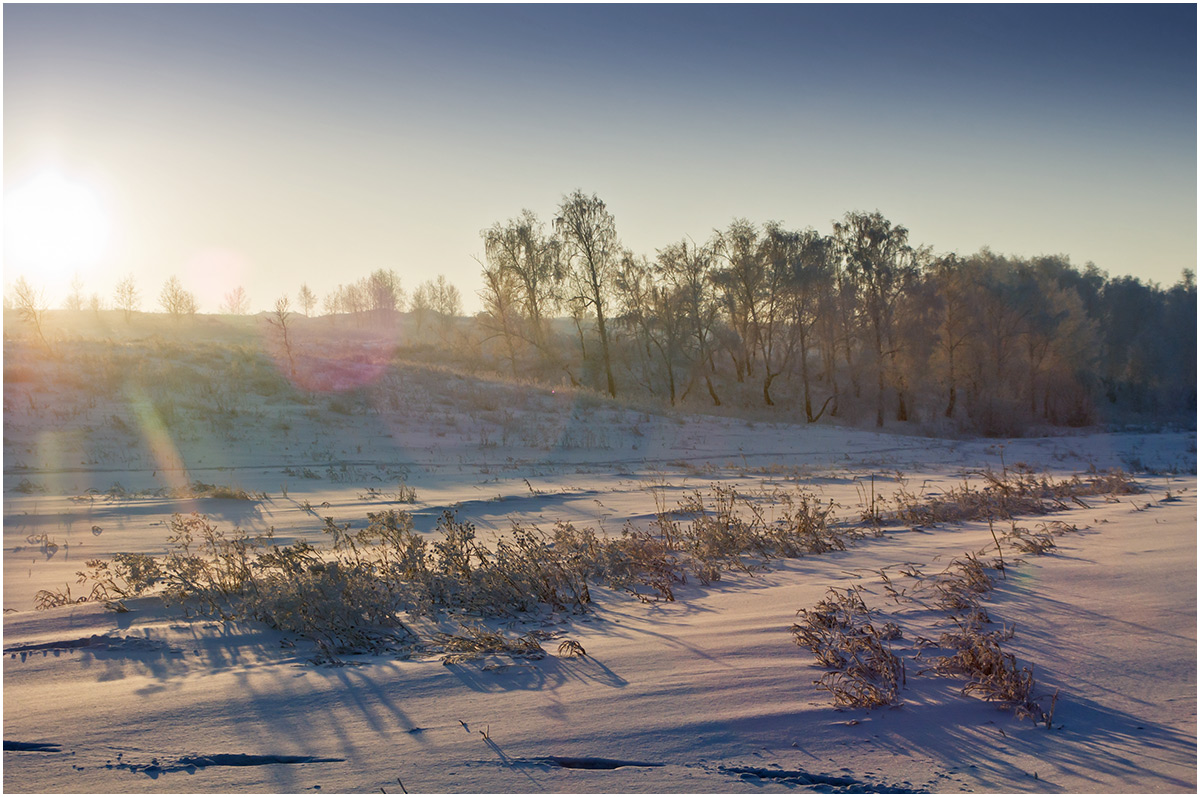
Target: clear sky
270,145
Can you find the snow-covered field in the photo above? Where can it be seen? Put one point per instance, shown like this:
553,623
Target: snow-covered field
708,693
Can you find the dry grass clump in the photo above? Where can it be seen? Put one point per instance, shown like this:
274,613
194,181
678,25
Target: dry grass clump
958,588
523,570
457,572
476,643
196,489
704,536
645,565
842,635
1014,491
27,487
570,647
730,525
51,599
348,595
199,489
639,562
1030,542
405,494
126,575
839,632
709,533
992,674
334,599
969,627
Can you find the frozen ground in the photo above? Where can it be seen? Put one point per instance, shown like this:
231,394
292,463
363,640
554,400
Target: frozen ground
708,693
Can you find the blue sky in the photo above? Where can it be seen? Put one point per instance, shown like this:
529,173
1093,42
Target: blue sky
271,145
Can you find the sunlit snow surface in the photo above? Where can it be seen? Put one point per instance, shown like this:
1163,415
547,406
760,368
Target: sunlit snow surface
705,694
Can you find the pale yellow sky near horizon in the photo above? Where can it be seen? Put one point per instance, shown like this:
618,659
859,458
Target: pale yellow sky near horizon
269,146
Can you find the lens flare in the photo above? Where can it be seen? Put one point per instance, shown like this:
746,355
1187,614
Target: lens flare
167,461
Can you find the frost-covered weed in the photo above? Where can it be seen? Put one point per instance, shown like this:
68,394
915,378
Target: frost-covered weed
349,595
1014,491
840,633
993,675
476,642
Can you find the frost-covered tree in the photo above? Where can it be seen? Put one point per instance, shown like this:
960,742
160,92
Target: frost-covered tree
881,263
591,253
521,248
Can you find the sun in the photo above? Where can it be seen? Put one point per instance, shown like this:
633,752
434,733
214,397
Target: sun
53,228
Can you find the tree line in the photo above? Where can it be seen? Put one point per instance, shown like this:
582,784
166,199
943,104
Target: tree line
857,322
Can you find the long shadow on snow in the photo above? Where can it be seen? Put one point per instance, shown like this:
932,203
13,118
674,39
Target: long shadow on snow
1092,753
548,673
117,513
1041,605
424,520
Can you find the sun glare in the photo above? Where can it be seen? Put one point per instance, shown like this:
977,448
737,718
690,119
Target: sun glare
53,227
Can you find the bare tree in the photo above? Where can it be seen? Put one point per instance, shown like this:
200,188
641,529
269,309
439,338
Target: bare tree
689,270
590,251
31,305
801,265
75,299
421,304
445,298
307,299
521,247
880,261
175,300
384,295
438,297
652,309
126,297
95,304
776,329
501,315
741,283
335,301
953,318
632,286
351,299
236,302
280,319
